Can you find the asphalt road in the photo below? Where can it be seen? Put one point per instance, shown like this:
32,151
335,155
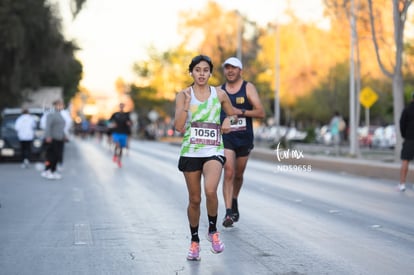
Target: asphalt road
100,219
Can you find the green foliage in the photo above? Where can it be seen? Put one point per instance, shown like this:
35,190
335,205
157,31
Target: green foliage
145,101
381,112
408,88
329,96
333,94
314,71
33,52
310,135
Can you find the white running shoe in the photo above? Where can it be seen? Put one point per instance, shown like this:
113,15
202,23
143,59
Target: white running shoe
25,163
51,176
56,176
401,187
46,174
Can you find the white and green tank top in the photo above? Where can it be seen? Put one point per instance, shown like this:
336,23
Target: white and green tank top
202,137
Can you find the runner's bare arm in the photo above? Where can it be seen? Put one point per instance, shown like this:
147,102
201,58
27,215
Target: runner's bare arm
182,105
254,99
228,109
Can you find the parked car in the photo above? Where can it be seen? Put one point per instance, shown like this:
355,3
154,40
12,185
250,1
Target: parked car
366,135
324,136
9,142
391,136
273,134
384,137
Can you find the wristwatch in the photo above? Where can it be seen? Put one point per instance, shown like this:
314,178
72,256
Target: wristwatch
243,111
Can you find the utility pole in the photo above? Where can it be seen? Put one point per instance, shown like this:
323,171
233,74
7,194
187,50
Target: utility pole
277,83
239,35
352,98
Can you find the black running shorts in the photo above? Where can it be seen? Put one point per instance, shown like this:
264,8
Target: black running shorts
241,151
407,151
190,164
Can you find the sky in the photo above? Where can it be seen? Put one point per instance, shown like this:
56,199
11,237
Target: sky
113,34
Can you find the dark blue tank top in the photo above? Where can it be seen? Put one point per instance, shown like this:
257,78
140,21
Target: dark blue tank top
239,100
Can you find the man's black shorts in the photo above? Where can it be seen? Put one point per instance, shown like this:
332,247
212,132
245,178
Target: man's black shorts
407,152
190,164
241,151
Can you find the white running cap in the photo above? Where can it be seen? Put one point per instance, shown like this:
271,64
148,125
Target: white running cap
234,61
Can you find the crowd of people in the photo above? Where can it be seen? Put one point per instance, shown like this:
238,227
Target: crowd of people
55,123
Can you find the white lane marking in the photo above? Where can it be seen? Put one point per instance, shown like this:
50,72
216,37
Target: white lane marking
77,194
82,234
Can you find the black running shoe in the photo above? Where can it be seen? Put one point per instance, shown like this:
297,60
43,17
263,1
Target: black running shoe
228,221
235,216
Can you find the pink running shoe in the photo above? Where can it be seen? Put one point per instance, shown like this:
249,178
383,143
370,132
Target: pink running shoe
216,245
194,252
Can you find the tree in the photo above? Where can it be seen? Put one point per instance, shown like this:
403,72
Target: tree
328,97
76,6
400,9
312,59
33,52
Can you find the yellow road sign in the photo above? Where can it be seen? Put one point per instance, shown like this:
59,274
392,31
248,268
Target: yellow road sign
367,97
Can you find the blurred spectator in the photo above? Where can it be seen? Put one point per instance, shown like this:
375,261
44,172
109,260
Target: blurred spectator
407,133
68,125
336,126
54,138
25,127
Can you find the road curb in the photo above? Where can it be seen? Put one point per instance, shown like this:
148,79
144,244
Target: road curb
353,166
360,167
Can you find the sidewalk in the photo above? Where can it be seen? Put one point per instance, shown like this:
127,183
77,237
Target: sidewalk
370,164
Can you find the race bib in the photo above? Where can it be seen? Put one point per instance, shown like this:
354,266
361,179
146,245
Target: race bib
205,133
239,124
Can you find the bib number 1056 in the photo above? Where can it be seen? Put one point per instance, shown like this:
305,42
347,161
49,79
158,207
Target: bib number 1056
205,133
